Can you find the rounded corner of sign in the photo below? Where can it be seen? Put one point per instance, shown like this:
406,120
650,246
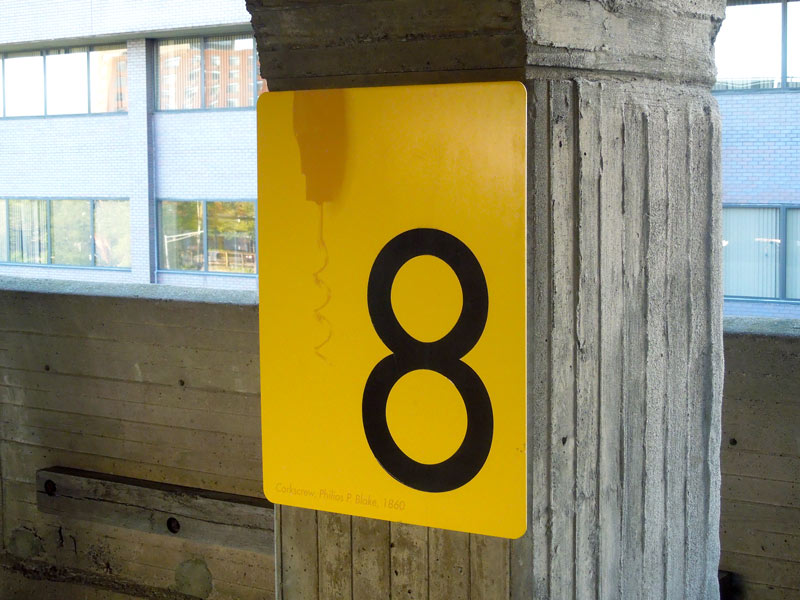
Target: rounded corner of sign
262,99
265,490
520,87
517,89
518,531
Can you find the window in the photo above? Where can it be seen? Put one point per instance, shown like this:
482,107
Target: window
2,108
24,84
3,230
180,236
793,253
70,232
231,237
761,252
64,81
71,237
757,46
793,45
108,73
27,231
178,69
206,235
196,73
112,233
748,47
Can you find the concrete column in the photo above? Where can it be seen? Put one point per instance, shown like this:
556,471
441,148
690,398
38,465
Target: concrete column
625,335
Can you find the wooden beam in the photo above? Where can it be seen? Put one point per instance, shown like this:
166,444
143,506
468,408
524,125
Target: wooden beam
204,516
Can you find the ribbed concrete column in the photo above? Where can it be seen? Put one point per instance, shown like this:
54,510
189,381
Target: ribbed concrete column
625,336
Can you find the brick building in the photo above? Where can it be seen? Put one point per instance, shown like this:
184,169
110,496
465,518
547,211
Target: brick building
758,91
103,174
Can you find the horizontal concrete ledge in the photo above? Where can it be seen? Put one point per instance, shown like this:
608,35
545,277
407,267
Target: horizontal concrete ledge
762,326
40,579
194,514
145,291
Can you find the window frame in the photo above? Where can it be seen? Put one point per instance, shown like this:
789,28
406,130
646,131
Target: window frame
784,81
43,54
203,92
782,227
51,265
204,202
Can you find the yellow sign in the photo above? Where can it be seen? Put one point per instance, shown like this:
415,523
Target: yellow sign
392,303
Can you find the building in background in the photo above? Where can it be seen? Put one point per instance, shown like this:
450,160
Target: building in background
127,147
128,144
758,91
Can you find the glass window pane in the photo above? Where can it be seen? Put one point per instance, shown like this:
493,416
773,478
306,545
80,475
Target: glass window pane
3,232
27,231
748,47
112,233
24,84
793,46
67,81
71,232
180,236
179,73
229,71
108,74
231,237
793,253
751,251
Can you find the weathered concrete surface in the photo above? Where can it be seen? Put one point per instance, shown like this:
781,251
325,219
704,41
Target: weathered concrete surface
16,586
326,43
625,333
760,525
161,390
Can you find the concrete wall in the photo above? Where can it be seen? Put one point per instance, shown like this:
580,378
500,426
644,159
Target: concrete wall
94,383
760,527
161,390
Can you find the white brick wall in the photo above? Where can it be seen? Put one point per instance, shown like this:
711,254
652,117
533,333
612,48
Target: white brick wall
70,156
140,155
42,20
219,163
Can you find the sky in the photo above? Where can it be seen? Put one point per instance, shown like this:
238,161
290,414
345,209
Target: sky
749,43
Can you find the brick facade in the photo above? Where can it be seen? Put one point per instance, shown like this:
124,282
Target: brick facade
141,154
760,165
760,146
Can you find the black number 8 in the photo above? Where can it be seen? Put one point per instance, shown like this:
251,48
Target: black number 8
442,356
